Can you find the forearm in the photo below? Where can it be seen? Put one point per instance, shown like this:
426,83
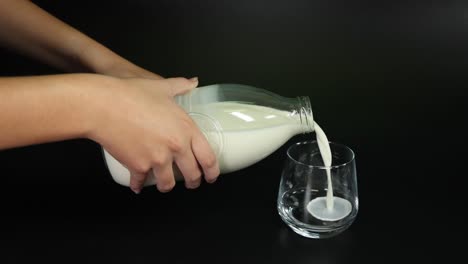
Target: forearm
44,109
29,29
32,31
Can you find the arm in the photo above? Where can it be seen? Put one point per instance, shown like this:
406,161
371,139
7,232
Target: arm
50,108
141,126
42,109
28,29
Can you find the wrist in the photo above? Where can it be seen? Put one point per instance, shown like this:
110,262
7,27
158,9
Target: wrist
94,56
101,60
94,99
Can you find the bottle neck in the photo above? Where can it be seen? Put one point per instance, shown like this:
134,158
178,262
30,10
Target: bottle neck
304,111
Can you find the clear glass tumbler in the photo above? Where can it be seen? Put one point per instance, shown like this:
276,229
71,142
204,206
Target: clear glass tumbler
302,198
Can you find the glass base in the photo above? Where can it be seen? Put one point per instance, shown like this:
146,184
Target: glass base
317,234
314,231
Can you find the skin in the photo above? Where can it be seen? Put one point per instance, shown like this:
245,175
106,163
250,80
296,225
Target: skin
82,103
28,29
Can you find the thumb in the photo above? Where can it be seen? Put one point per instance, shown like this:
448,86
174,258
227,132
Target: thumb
182,85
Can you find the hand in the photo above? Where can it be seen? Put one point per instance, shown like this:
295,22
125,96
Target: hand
139,123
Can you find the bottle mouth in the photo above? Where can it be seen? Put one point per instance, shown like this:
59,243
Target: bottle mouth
306,115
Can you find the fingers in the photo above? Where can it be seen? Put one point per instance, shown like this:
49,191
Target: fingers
164,178
188,166
182,85
205,157
137,180
165,181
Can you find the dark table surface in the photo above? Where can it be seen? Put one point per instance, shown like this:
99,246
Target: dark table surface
386,79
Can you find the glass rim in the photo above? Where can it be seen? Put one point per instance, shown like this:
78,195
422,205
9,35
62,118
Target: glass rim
318,166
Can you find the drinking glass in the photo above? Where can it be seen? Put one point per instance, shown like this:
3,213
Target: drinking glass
302,197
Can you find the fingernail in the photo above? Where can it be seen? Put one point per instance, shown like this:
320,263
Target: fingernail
191,185
136,191
194,79
212,181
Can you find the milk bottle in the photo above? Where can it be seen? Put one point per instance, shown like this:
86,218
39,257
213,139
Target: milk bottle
242,124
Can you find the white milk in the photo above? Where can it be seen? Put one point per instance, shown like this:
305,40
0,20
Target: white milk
325,152
250,133
327,208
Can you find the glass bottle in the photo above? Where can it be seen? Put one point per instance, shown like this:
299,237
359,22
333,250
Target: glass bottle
243,125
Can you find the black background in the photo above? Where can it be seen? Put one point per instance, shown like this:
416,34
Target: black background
386,79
